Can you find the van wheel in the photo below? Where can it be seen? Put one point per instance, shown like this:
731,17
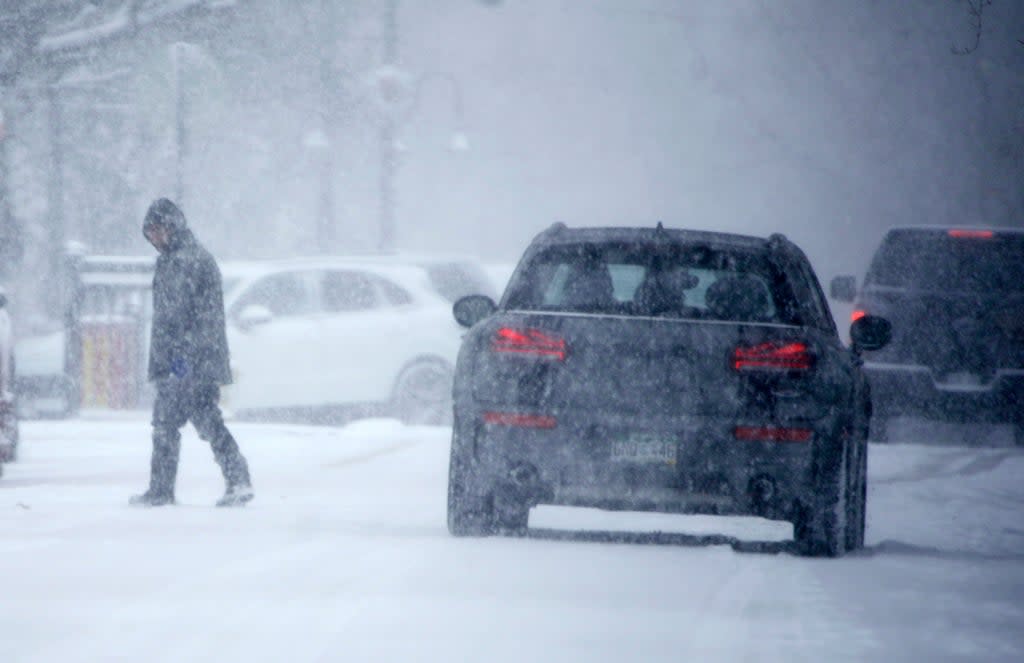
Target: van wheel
423,394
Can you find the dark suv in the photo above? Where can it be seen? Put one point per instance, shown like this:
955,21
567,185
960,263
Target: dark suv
650,369
955,298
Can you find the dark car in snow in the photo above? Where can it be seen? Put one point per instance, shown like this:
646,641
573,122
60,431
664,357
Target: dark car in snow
655,369
955,298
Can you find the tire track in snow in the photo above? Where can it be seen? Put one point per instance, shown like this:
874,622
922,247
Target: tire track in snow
372,455
948,466
779,611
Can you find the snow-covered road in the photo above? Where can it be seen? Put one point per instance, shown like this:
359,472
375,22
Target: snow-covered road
344,555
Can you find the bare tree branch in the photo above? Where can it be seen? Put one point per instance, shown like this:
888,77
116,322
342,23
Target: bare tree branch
976,8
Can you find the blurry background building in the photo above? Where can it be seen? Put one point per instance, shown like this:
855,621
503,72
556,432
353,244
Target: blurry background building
304,126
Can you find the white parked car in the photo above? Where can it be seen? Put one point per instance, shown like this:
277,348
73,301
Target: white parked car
320,337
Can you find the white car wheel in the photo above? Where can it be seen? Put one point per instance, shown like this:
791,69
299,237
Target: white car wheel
423,394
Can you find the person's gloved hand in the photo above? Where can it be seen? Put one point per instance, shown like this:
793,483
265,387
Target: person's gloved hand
179,368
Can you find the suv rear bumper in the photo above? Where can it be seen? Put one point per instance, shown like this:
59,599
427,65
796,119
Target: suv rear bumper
911,389
711,473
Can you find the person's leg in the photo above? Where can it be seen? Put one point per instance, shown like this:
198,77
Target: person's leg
209,422
170,412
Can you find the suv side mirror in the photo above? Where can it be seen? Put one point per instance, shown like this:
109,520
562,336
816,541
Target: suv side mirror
870,333
471,309
843,288
254,315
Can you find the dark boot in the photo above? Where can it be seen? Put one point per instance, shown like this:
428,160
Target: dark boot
234,468
163,469
151,498
236,495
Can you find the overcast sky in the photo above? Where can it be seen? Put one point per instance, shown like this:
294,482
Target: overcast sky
827,121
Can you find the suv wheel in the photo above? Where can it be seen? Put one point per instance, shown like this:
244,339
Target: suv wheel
512,515
856,514
469,513
879,428
820,528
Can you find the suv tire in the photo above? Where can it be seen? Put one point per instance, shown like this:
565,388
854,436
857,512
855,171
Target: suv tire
879,428
819,529
856,512
469,513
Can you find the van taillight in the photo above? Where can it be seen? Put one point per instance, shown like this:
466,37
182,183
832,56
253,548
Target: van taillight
773,355
529,342
971,234
857,315
519,420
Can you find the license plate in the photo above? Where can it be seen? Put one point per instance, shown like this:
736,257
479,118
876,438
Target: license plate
645,449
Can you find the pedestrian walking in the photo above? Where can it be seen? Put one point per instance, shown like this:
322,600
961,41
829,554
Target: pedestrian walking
188,358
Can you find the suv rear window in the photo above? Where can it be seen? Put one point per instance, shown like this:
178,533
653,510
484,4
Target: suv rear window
654,281
935,260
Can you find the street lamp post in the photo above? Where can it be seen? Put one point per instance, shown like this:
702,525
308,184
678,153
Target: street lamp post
55,187
395,115
388,153
389,124
185,57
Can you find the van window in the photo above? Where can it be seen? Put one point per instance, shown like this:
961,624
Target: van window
935,260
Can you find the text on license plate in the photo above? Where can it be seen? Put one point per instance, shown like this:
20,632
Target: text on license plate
644,449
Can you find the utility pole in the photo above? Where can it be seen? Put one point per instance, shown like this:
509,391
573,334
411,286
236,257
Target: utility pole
326,232
180,136
55,190
8,234
388,156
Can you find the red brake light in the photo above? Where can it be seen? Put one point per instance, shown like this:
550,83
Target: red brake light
971,234
529,342
857,315
772,434
519,420
777,355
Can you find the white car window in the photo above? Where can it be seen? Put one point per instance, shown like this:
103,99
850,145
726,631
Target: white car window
394,293
348,291
282,294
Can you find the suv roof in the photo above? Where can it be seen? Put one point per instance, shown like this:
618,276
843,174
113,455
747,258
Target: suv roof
560,233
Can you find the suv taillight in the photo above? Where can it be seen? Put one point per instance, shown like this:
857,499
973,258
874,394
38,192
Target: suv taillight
529,342
773,355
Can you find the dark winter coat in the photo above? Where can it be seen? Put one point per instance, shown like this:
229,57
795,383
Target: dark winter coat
188,340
